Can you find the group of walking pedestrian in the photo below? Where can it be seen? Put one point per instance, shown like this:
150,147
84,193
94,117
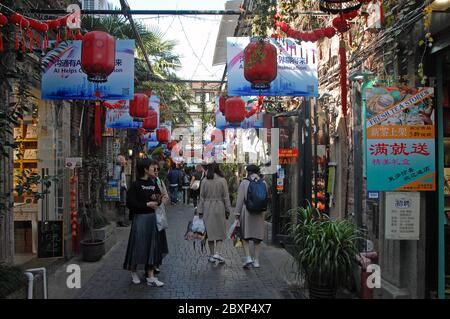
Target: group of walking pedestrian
209,190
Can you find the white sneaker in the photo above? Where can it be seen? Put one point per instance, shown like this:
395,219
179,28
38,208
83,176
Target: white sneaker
154,282
135,278
256,264
219,258
248,262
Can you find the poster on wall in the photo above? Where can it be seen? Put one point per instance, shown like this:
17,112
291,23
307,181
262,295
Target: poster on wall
402,216
119,118
63,79
254,121
297,68
400,135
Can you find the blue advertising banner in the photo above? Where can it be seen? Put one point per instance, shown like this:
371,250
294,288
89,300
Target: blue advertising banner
297,69
254,121
63,79
120,118
400,139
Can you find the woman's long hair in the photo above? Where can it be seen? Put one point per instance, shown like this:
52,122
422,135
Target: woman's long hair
213,169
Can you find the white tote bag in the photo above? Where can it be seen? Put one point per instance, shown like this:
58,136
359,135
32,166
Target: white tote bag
161,218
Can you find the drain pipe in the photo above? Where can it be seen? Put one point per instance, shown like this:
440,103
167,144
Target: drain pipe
30,284
44,279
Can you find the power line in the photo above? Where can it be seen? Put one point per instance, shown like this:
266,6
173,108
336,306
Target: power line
192,49
204,48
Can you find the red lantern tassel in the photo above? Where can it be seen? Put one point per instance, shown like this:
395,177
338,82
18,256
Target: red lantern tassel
30,39
45,41
343,77
306,53
381,12
58,38
350,38
314,57
1,42
24,43
98,123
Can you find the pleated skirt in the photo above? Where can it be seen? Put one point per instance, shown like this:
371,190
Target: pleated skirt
146,245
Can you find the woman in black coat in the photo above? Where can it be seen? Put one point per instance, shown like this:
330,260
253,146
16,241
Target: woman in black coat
146,245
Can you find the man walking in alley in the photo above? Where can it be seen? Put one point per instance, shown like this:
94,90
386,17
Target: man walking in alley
174,178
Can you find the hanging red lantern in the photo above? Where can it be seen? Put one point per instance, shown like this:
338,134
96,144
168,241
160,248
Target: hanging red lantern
151,121
3,22
139,105
235,109
222,100
330,32
162,135
260,63
341,24
98,58
98,55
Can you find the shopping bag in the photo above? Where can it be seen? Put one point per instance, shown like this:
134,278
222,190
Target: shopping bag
161,218
232,229
198,226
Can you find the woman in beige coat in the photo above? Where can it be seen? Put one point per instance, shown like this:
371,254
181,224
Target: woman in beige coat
214,206
252,224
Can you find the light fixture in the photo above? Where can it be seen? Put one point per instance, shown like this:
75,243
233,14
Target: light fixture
360,75
130,152
141,155
440,5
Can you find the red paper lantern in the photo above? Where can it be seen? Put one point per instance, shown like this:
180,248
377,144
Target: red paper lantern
151,121
320,33
235,109
3,22
53,24
139,105
330,32
16,18
222,100
260,63
341,24
98,55
162,135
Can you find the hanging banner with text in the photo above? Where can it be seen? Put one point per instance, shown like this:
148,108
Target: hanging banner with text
63,79
119,118
296,75
400,136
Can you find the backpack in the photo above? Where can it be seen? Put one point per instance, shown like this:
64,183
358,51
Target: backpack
257,196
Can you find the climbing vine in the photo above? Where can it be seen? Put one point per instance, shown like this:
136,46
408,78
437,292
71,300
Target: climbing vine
264,18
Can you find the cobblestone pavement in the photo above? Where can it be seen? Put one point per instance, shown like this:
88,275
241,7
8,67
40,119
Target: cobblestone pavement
186,272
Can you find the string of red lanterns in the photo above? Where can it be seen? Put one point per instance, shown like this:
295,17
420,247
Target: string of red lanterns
28,30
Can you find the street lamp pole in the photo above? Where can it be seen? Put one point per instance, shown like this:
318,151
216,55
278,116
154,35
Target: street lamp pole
357,143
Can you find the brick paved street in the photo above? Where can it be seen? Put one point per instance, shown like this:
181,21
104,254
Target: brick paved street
185,272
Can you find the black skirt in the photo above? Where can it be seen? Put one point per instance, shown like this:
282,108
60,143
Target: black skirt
146,245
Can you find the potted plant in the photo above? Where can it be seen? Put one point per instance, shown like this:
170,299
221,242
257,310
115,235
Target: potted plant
93,248
325,250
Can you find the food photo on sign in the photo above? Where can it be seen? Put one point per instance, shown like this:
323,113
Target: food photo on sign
400,136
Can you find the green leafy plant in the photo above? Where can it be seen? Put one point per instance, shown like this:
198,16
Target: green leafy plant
325,250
